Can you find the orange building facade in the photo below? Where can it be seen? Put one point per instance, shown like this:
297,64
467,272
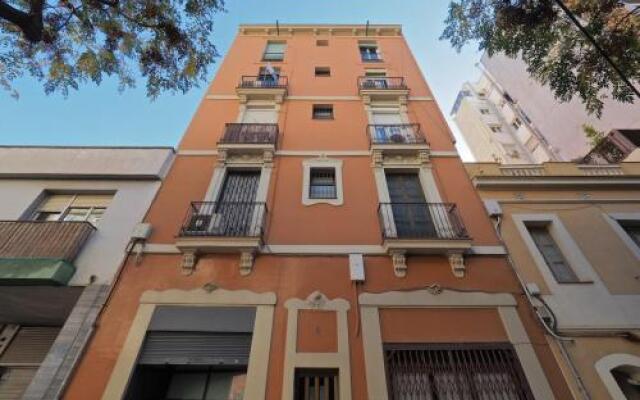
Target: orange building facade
317,237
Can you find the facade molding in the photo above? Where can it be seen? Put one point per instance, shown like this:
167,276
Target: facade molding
312,98
210,295
608,363
318,153
339,359
437,297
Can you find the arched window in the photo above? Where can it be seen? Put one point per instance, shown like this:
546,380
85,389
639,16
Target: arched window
621,375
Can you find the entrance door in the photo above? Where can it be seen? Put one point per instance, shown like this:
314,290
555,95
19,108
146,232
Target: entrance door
237,214
408,204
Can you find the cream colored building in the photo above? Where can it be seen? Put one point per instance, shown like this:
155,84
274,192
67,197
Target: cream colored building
495,128
573,233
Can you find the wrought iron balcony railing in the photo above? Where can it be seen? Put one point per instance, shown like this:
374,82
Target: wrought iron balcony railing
225,219
263,82
395,134
250,134
430,221
43,239
381,83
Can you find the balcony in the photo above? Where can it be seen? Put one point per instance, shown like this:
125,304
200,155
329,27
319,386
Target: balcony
423,228
262,87
40,253
248,139
223,227
382,88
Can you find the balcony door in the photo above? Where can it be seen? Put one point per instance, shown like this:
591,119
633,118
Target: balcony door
383,133
260,115
237,213
409,206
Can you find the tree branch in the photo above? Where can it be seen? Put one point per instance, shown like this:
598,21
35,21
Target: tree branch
30,23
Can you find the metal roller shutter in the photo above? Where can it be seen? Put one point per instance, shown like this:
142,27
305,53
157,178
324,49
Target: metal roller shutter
195,348
14,381
30,345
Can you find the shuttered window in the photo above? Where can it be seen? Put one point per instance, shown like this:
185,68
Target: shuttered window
73,207
552,255
316,384
21,357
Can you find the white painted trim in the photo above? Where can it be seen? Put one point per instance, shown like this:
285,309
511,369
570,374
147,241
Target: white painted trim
614,220
609,362
537,181
489,250
444,153
322,162
157,248
569,248
312,98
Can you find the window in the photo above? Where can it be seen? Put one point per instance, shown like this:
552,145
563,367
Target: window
626,376
455,371
274,51
322,183
73,207
484,111
323,71
369,52
632,228
316,384
496,129
322,42
516,123
266,74
322,111
551,253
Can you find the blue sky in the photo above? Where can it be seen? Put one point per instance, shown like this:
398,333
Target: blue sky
102,116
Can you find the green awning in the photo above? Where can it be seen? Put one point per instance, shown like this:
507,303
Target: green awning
35,271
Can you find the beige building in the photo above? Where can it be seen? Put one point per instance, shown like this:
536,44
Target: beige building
573,233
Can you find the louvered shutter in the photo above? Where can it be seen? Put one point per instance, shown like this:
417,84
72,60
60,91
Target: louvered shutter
14,381
30,345
196,348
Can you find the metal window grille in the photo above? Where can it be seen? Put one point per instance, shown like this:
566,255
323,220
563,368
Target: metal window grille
322,183
455,372
321,111
316,384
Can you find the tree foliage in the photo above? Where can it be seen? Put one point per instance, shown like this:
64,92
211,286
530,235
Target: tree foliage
556,52
65,43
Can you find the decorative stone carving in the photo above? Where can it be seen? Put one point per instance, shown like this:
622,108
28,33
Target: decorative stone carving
222,156
188,263
267,158
210,287
317,300
457,264
378,159
245,158
399,263
434,289
246,262
423,156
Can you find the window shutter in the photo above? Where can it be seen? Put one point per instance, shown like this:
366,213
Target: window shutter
14,381
552,255
196,348
30,345
55,202
92,200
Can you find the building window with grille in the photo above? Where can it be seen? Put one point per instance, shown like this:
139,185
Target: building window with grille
553,257
496,129
322,43
516,124
323,71
322,181
73,207
369,52
316,384
322,111
274,51
484,111
455,371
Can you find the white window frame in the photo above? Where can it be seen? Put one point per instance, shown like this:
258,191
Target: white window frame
370,43
324,163
65,210
606,364
569,248
266,47
614,220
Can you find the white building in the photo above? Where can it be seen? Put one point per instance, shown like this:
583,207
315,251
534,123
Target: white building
510,118
66,222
